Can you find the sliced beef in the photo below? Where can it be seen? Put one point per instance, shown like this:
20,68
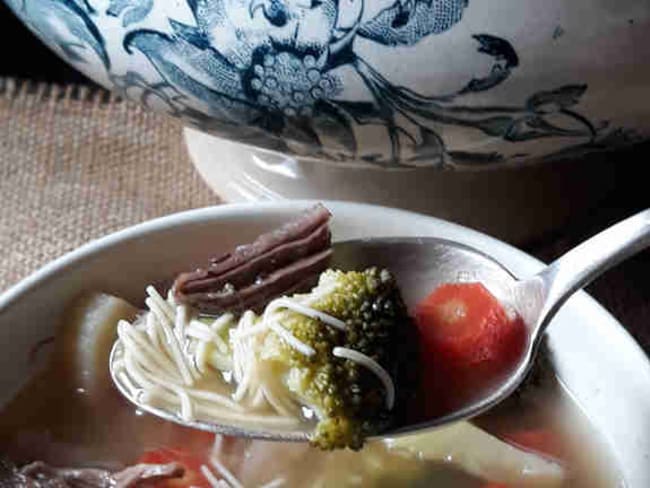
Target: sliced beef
133,476
274,264
41,475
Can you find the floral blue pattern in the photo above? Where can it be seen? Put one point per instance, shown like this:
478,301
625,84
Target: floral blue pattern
274,73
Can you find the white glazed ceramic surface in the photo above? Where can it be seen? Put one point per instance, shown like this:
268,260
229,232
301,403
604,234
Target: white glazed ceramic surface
515,204
598,361
407,83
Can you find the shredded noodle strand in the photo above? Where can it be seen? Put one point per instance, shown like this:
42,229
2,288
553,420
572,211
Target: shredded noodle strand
168,350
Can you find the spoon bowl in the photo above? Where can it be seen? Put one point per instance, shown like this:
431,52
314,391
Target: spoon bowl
419,265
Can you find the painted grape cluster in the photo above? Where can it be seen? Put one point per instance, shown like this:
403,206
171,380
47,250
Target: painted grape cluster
291,85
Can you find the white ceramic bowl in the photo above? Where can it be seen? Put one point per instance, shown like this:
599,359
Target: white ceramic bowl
388,83
596,359
368,100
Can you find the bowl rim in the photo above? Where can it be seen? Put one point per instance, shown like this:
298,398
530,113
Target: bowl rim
516,261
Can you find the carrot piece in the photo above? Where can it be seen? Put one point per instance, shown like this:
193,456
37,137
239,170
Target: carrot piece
192,464
468,341
540,440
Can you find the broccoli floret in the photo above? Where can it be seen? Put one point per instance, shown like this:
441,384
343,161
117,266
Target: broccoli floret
349,400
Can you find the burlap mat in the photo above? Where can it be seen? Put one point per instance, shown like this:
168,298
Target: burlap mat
76,164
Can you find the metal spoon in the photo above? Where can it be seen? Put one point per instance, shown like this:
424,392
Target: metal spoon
421,264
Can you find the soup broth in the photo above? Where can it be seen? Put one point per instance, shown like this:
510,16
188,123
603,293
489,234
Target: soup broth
57,420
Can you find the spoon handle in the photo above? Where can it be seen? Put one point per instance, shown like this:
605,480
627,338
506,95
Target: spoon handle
585,262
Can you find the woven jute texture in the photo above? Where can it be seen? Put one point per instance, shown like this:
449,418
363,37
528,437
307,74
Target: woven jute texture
76,164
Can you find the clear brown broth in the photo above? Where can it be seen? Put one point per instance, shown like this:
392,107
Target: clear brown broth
53,420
